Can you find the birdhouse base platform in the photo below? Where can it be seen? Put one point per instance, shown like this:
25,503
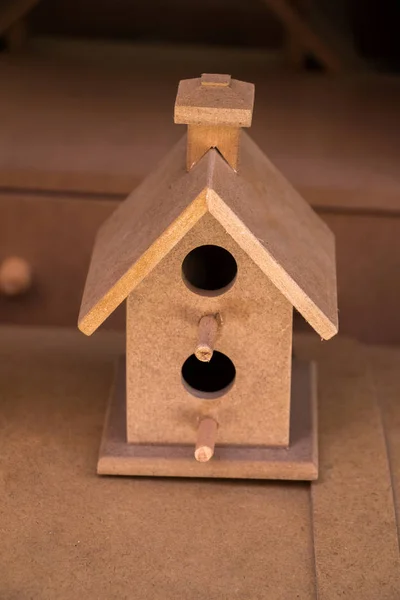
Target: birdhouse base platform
298,462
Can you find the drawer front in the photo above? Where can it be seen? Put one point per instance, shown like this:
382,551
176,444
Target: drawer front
368,265
55,236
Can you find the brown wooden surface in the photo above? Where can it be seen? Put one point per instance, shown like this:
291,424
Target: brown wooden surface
198,102
298,462
355,480
257,206
200,138
177,538
368,263
78,113
162,312
32,226
141,232
75,120
280,232
55,236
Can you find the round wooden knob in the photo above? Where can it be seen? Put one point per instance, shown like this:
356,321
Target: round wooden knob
15,276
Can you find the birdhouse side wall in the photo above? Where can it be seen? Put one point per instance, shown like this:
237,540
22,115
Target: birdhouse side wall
256,334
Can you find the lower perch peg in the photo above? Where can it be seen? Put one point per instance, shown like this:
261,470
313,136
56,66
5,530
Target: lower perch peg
206,434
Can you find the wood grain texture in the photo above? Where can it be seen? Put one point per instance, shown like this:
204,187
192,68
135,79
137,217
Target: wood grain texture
91,133
229,105
279,231
53,404
383,364
140,233
368,263
55,236
203,137
256,334
261,211
355,532
298,462
54,388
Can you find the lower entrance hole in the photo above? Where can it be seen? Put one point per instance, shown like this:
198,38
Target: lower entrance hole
208,380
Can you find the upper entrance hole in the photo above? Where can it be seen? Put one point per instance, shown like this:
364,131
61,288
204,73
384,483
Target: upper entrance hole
209,270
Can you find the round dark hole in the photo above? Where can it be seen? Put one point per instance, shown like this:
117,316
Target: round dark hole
209,270
208,379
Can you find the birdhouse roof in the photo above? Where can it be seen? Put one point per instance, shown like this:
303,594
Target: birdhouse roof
256,206
214,99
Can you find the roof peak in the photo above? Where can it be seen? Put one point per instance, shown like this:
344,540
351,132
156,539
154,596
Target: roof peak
257,207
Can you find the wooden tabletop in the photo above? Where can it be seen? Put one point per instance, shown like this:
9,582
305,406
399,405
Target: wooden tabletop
67,533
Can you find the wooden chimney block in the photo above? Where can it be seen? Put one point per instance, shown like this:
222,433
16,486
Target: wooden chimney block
212,252
214,107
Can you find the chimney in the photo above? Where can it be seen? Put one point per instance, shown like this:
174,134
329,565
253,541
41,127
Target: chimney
214,107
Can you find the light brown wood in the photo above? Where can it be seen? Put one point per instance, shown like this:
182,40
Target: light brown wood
203,137
15,276
132,242
216,108
298,462
112,147
226,105
256,336
49,224
257,207
206,435
354,521
64,378
215,79
351,180
281,255
383,364
208,330
285,233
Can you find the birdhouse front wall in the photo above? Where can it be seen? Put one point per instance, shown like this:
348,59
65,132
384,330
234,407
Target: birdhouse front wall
165,402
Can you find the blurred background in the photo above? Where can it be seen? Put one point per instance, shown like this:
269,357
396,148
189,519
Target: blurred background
87,90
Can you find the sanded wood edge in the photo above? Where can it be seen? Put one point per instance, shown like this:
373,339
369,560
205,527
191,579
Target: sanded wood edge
325,325
298,462
89,322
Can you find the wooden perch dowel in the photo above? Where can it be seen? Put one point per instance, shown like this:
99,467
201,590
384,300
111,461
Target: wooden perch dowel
206,434
208,329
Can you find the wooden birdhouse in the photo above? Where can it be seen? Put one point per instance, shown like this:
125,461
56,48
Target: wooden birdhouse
212,252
